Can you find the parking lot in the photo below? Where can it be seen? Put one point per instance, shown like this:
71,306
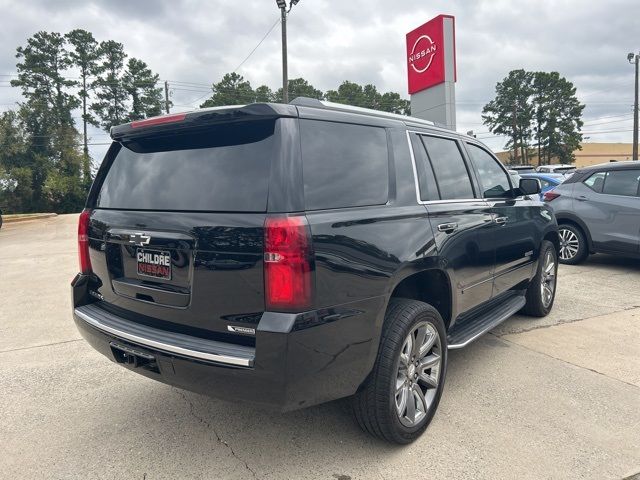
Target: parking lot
557,397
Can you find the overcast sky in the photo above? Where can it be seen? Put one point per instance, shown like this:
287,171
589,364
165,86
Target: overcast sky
359,40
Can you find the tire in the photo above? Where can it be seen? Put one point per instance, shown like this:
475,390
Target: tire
541,292
573,244
377,406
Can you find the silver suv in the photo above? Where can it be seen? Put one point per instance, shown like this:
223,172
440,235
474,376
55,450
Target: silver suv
598,210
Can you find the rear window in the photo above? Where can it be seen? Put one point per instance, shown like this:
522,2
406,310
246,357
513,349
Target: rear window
223,168
344,165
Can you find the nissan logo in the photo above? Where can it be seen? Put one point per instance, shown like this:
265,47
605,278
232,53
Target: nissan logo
422,54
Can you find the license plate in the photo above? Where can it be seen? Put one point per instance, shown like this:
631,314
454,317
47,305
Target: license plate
154,263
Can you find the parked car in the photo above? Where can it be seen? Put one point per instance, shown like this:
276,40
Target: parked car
367,245
561,168
522,168
548,181
598,210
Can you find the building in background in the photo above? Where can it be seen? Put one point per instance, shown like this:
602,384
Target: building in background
591,154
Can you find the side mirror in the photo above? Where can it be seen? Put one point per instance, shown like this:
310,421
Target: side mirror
530,186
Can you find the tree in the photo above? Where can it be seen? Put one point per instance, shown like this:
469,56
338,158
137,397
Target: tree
299,87
15,170
540,105
392,102
141,85
558,117
511,113
264,94
351,93
231,90
110,107
85,55
45,116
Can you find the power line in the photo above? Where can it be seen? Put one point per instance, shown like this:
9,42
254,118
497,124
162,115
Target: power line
259,43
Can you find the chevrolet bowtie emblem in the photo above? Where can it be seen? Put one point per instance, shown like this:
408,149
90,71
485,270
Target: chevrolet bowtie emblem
139,239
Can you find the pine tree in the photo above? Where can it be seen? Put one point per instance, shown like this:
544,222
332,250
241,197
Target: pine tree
558,116
233,89
110,107
46,116
141,85
85,55
264,94
511,113
299,87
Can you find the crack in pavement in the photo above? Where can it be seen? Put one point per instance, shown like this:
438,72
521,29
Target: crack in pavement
40,346
568,362
210,427
538,327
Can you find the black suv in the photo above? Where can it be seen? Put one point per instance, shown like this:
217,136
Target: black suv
296,254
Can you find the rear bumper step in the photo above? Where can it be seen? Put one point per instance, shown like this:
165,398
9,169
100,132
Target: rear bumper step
175,343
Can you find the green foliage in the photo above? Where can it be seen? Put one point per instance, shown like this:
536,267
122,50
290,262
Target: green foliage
110,107
558,116
299,87
84,55
536,105
264,94
233,89
351,93
140,83
45,121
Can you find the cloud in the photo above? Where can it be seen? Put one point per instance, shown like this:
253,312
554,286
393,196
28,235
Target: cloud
360,40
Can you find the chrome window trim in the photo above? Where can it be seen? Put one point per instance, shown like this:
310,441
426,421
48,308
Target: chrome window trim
213,357
462,200
415,172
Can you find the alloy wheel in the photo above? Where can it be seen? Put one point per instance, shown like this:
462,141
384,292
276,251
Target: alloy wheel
418,374
569,244
548,278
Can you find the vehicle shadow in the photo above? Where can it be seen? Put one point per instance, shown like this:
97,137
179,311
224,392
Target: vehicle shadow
269,443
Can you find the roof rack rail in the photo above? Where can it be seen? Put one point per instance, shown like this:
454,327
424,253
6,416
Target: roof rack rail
314,102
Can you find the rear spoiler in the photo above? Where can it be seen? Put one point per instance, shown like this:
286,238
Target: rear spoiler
201,118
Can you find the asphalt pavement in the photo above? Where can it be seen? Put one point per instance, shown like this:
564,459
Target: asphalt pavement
552,398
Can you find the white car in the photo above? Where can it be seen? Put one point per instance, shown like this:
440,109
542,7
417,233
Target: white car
561,168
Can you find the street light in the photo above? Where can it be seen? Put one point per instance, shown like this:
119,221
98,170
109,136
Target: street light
282,5
633,58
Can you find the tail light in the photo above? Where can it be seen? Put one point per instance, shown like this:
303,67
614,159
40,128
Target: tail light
550,195
160,120
288,257
83,242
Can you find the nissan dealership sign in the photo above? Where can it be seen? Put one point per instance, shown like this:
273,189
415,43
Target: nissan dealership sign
426,54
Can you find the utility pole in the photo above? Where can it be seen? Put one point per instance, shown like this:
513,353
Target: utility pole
166,95
635,58
285,73
282,5
515,125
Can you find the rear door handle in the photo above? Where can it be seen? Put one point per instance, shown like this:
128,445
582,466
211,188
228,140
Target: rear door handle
581,198
501,220
447,227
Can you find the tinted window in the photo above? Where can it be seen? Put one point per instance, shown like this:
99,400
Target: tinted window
223,168
621,182
426,179
449,168
344,165
493,179
595,182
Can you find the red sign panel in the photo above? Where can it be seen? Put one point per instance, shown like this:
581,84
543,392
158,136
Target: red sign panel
425,55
